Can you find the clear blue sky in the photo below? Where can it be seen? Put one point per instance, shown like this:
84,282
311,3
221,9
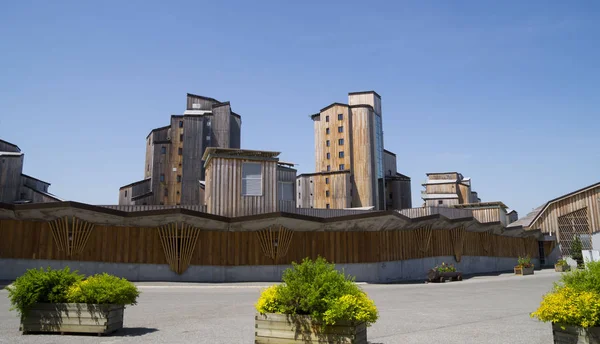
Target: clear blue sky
506,92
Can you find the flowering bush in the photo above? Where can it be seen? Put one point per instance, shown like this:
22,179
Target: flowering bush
103,289
315,288
524,262
445,268
561,262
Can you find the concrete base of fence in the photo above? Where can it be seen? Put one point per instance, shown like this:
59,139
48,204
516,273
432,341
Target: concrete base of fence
384,272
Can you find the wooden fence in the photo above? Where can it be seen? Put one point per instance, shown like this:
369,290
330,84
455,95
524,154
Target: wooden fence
274,245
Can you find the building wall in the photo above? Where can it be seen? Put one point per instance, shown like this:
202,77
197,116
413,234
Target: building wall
450,188
221,125
389,164
223,192
235,132
8,147
11,168
321,137
364,183
437,176
313,190
287,176
305,191
192,169
447,202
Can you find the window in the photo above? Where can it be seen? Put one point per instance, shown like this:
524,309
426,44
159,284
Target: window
162,177
163,150
341,167
178,192
341,142
326,118
326,193
328,168
162,203
327,206
148,168
286,191
251,179
179,179
340,116
391,196
24,194
166,192
181,137
327,143
181,124
327,131
208,123
148,142
326,180
341,154
340,129
298,183
299,195
180,151
328,156
440,202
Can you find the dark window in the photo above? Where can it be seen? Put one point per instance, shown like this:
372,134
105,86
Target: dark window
148,142
299,195
178,192
326,193
181,137
341,154
125,194
326,118
179,179
328,168
162,203
327,131
440,202
148,168
340,116
327,143
144,203
326,180
391,196
166,192
341,167
180,151
23,195
341,142
181,124
328,156
340,129
327,206
163,150
162,177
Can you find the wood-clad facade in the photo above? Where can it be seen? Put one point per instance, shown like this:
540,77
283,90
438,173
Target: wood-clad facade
448,189
174,153
487,212
333,188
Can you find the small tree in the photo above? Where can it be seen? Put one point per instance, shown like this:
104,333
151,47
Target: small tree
576,248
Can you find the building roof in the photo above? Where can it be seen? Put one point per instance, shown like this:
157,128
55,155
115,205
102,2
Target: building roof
390,153
10,144
364,92
334,104
528,219
202,97
481,205
439,181
47,194
430,173
30,177
439,196
237,153
135,183
11,154
322,173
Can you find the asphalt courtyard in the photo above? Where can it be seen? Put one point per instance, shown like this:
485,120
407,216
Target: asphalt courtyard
488,309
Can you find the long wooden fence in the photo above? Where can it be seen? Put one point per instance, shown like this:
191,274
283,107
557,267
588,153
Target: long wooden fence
273,245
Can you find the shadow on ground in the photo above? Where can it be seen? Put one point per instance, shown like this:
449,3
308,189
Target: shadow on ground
133,332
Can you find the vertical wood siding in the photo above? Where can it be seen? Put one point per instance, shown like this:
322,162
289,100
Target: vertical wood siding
548,221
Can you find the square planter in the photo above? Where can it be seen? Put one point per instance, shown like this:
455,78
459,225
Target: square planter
561,268
523,271
575,335
282,328
435,276
73,317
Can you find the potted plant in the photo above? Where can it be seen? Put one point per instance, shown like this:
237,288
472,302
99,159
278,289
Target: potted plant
315,303
573,307
64,301
443,272
524,266
561,266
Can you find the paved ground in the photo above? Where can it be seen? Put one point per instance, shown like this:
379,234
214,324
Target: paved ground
492,309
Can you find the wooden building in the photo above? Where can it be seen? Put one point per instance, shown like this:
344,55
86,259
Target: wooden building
486,212
444,189
334,188
397,185
349,137
15,186
576,214
242,182
173,166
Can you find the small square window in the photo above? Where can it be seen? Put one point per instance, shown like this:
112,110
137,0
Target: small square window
166,192
340,129
163,150
391,196
327,131
341,167
178,192
327,206
24,194
181,124
440,202
181,137
341,154
340,116
326,118
328,168
327,143
162,177
328,156
299,195
179,178
180,151
207,137
148,168
326,180
341,142
326,193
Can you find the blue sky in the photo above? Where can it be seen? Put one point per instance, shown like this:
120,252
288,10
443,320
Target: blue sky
504,92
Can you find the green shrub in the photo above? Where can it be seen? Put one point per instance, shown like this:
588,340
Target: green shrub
315,288
41,286
103,289
561,262
575,249
524,262
587,279
445,268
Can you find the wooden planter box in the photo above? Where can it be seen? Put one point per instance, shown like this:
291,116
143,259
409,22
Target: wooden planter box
435,276
523,271
575,335
73,317
283,329
561,268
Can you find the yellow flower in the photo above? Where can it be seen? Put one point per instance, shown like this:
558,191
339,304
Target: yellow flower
566,306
